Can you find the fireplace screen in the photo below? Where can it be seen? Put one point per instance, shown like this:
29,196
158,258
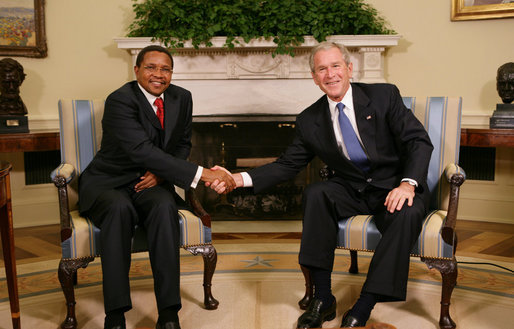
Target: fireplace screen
240,143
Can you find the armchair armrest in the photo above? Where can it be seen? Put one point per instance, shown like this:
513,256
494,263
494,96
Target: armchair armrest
62,176
197,207
456,176
189,196
66,170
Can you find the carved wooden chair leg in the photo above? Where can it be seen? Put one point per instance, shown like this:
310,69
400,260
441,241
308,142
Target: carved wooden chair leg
210,258
309,290
449,271
67,272
354,267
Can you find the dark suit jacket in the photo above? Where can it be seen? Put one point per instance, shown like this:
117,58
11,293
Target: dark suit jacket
133,142
396,143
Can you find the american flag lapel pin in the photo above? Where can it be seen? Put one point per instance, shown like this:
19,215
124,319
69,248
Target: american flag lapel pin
368,117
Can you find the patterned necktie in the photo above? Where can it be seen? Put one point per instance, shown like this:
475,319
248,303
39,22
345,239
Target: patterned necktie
160,110
353,146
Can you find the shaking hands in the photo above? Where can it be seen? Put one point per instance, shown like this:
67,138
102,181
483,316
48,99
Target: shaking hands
221,180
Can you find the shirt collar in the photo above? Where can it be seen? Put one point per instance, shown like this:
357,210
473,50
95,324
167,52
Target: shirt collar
347,101
151,98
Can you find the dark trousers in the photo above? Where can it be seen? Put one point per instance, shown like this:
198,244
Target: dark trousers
116,212
326,202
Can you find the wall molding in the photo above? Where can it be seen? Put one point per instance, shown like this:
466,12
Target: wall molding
51,123
475,119
43,123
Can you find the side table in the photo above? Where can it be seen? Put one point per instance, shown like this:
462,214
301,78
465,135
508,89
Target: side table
8,241
487,137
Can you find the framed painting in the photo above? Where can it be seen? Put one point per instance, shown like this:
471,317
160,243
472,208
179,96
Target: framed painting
463,10
22,28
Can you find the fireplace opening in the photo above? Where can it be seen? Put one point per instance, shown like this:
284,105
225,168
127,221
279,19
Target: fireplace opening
242,142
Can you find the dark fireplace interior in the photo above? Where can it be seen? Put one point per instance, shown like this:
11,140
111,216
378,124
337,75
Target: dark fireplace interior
239,143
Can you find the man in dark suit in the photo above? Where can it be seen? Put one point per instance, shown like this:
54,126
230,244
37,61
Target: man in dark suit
146,141
380,154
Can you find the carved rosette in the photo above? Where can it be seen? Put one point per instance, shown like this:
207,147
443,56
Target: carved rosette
372,68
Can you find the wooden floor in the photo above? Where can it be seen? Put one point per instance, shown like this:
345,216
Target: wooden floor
491,241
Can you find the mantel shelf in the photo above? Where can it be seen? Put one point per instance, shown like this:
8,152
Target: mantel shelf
372,40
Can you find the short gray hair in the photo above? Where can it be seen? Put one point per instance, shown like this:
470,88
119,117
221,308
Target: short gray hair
326,45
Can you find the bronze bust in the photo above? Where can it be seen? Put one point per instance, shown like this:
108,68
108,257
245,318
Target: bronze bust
505,82
11,77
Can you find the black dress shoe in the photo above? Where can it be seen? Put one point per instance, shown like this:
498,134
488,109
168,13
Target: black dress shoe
168,325
313,317
351,321
118,327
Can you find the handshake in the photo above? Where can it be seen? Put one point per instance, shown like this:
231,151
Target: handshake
221,180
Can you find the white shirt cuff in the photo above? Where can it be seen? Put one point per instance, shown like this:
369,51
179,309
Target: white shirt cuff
411,181
247,180
197,177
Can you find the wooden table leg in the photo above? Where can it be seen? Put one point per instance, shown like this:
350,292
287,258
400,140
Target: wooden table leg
6,228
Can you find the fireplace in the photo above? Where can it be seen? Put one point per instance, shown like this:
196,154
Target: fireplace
233,88
242,142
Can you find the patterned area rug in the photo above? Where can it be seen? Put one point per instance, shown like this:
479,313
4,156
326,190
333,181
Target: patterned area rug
259,286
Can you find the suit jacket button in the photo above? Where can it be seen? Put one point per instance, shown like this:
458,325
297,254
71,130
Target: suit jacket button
369,180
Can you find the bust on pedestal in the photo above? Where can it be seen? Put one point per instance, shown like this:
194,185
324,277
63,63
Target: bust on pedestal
503,116
12,109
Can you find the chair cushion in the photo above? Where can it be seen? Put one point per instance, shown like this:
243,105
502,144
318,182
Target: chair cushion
85,239
361,234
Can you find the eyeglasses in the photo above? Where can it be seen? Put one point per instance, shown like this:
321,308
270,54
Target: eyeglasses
155,69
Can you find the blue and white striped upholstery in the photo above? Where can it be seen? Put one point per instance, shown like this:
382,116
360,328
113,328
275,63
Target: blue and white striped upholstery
441,118
81,134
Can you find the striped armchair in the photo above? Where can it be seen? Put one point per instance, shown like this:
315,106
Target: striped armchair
437,241
81,134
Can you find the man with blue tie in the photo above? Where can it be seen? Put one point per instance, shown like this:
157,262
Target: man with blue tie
147,126
379,153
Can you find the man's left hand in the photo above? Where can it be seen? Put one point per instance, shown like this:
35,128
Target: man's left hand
147,180
397,197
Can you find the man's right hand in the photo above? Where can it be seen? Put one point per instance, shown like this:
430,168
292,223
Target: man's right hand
219,179
219,187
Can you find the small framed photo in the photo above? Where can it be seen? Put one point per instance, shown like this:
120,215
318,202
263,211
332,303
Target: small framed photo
22,28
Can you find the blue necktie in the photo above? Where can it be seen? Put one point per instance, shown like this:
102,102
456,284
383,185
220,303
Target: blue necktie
353,146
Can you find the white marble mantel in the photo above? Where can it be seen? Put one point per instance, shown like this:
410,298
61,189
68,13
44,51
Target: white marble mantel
247,79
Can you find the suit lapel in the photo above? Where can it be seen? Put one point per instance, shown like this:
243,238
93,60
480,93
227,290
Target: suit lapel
147,108
171,113
366,121
323,127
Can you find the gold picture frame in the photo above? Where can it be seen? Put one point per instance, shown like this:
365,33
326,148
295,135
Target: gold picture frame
463,10
22,24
